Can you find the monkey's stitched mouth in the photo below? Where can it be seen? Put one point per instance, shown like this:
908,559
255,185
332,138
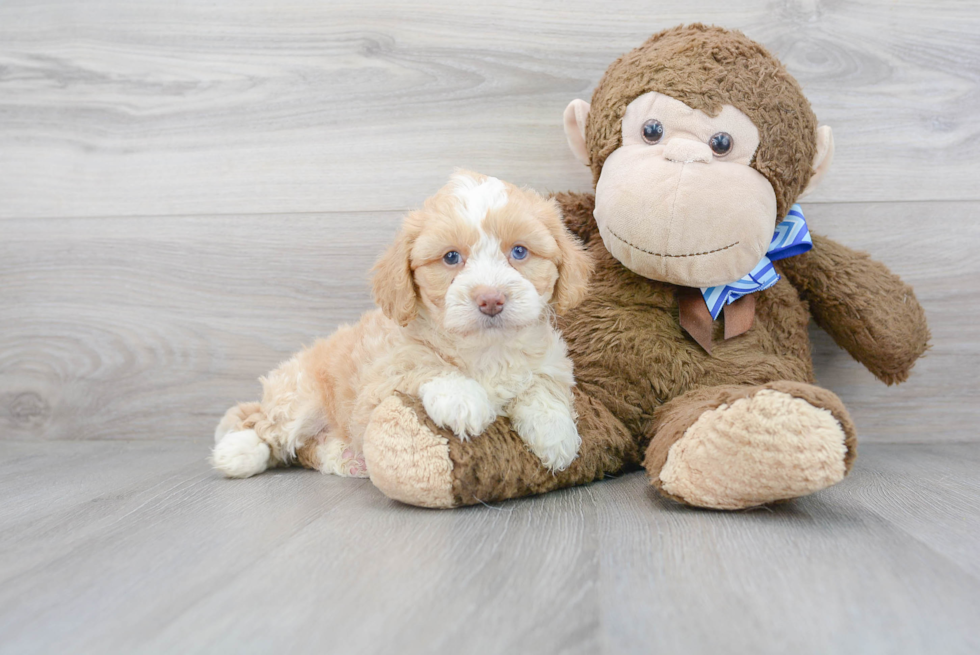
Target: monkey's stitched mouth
662,254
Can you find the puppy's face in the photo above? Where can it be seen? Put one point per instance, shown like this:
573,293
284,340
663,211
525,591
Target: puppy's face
482,255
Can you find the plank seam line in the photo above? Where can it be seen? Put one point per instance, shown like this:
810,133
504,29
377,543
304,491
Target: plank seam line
205,215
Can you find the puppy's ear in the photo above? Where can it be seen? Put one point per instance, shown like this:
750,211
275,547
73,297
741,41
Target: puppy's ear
394,288
574,267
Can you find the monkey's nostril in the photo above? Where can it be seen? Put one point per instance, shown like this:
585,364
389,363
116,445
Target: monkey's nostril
491,303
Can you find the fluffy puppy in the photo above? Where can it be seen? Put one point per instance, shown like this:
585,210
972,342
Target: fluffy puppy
467,295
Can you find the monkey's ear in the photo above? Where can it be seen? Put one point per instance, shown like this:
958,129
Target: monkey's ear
576,114
821,161
394,287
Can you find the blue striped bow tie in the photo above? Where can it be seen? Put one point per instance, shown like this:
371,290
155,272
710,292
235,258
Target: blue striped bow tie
792,237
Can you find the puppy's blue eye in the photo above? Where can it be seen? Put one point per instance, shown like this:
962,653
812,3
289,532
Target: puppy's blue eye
518,252
452,258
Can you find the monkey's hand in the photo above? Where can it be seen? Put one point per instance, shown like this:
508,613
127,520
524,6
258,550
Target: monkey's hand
864,307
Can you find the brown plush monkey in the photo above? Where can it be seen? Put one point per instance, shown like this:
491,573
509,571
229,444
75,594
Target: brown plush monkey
700,143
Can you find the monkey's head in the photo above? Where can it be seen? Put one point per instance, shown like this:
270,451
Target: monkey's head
699,143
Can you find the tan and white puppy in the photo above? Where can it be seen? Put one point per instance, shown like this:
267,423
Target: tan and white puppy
467,295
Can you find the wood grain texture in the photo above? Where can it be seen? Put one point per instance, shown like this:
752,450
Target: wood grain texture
115,108
137,547
123,328
837,572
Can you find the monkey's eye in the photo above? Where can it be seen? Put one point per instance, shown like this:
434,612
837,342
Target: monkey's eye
721,143
518,252
452,258
653,131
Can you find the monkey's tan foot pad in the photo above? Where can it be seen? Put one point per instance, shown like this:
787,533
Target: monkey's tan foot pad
759,449
405,459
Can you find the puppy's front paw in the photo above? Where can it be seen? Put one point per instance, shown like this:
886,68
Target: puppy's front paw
552,436
459,404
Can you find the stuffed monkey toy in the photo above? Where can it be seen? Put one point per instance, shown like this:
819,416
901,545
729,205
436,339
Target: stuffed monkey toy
691,352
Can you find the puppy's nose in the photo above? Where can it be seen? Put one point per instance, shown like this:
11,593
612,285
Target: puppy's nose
490,301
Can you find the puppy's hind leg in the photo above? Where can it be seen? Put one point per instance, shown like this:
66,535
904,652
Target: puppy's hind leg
270,437
240,417
255,436
239,452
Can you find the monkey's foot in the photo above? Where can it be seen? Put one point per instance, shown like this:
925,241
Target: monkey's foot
738,447
407,460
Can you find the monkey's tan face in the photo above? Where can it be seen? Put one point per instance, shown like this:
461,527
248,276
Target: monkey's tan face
678,201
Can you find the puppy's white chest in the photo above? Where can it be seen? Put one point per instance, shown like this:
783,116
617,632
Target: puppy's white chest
504,387
505,373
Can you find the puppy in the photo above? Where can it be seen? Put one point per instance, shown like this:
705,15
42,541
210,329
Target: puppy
467,295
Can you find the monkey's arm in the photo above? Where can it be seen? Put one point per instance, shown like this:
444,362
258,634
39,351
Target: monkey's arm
865,307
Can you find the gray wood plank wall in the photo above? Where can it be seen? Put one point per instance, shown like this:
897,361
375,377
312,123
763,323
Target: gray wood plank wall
189,192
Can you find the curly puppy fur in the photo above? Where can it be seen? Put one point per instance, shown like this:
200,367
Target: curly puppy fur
467,297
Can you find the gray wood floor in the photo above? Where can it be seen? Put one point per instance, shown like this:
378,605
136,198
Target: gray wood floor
190,191
133,547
